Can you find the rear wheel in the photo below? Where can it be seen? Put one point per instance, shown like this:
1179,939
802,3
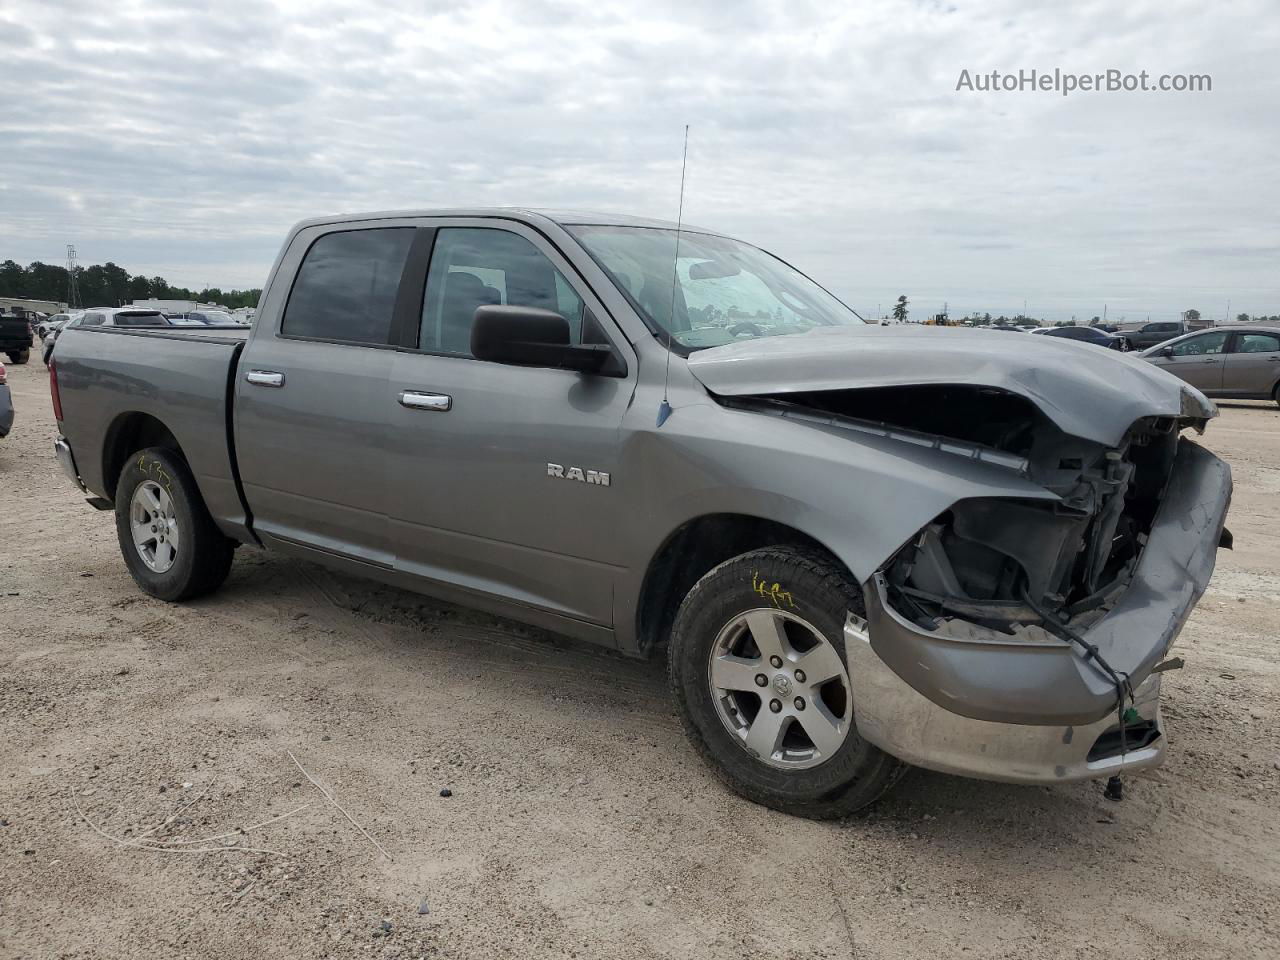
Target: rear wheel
19,357
758,669
1275,394
170,544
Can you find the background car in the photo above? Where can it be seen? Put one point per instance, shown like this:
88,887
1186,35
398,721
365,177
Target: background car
1149,334
16,335
212,318
1240,363
104,317
1092,335
49,324
123,317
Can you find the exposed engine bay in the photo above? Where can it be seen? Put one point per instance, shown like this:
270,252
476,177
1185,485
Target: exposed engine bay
1001,564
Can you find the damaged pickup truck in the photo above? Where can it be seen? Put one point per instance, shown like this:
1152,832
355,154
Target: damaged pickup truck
860,546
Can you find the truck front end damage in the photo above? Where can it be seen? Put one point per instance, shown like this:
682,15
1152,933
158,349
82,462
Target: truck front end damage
1009,636
1022,640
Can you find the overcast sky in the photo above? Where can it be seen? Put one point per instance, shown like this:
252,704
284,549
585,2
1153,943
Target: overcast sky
182,139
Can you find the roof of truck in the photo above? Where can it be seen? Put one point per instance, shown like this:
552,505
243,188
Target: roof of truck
562,217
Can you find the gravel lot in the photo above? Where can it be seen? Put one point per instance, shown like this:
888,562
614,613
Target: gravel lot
580,823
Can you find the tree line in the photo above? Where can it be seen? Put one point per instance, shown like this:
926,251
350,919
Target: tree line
107,285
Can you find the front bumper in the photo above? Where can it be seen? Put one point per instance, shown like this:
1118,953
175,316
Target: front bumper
906,724
997,678
62,450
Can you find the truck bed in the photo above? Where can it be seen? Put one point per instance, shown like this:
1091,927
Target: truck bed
114,379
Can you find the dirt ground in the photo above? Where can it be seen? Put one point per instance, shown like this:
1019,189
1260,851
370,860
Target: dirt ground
580,824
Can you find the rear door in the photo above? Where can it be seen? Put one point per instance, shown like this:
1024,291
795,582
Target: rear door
1198,360
503,479
310,408
1252,365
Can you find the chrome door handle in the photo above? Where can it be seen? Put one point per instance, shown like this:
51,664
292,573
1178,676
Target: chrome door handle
417,400
264,378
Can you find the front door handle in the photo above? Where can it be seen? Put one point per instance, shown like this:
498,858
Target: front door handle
264,378
417,400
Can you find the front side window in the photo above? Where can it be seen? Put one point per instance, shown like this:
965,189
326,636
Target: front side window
727,290
1206,343
346,286
476,267
1258,343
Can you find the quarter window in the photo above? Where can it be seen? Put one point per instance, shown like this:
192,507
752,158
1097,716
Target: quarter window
346,286
1208,343
1257,343
476,267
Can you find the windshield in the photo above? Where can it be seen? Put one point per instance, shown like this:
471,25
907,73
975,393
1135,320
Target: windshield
728,290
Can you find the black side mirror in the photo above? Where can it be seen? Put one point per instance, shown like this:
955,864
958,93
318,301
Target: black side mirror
1166,351
532,337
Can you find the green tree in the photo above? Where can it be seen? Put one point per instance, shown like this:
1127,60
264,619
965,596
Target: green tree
1191,316
900,309
1242,317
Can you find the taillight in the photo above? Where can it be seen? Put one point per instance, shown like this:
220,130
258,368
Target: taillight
4,377
53,391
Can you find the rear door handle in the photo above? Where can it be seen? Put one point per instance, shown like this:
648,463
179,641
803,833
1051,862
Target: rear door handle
264,378
417,400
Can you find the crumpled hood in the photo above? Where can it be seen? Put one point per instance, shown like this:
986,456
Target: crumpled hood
1085,390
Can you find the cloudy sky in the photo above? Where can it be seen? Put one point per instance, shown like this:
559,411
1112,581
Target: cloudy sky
182,138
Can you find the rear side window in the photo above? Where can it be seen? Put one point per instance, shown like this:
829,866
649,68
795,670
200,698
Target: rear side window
346,287
475,267
1257,343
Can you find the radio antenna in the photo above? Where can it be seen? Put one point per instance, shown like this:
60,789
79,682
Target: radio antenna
664,408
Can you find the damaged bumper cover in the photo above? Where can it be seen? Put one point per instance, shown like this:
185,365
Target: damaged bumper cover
982,686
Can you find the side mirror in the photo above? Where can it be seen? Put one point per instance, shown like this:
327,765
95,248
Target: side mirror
532,337
1166,351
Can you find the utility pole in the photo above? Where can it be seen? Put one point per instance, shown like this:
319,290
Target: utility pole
73,288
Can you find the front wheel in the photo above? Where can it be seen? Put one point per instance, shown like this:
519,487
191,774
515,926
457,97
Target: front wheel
758,669
170,544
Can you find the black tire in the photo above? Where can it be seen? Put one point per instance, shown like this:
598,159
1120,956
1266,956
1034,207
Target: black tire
19,357
203,558
822,592
1275,394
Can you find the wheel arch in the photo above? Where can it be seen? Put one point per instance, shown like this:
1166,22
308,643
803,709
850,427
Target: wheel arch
127,434
689,552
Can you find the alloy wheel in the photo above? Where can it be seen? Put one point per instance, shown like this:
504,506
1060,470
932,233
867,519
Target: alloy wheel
781,689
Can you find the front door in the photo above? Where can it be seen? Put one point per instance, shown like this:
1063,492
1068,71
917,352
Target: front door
1198,360
503,479
310,416
1252,366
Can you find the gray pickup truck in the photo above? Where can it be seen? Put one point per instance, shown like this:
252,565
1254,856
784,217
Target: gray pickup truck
860,546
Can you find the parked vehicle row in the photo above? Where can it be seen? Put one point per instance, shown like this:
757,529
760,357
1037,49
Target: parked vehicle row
860,545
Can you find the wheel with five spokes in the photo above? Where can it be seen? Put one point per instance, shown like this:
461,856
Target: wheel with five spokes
758,669
170,544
